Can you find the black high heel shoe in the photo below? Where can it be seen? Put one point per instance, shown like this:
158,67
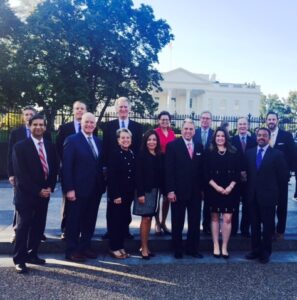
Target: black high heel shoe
146,257
216,255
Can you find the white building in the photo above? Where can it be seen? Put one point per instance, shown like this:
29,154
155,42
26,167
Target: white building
185,92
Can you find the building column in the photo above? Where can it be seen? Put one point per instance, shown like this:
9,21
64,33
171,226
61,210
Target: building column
168,102
187,103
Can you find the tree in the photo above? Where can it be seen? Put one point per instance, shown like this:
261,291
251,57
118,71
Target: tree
292,103
94,50
10,37
274,103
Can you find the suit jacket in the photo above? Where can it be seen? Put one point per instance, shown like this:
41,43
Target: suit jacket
29,173
263,185
121,174
250,143
110,140
197,137
285,143
18,134
184,175
81,171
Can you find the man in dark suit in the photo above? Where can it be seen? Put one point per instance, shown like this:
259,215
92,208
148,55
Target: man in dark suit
122,107
203,135
183,169
242,142
35,168
65,130
266,173
283,141
18,134
83,185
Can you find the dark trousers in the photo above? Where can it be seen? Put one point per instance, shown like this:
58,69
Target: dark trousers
81,223
119,219
282,209
206,215
245,218
178,211
262,239
31,223
64,213
128,216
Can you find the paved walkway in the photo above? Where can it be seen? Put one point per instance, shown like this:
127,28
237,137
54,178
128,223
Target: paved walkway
159,243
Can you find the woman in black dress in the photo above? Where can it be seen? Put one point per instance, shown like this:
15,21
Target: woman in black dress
222,173
148,177
120,191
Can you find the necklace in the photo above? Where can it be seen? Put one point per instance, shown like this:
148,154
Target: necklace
222,152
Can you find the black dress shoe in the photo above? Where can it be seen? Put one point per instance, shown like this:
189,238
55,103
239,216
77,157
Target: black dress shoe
252,255
76,257
194,254
264,260
43,238
35,260
21,268
90,254
178,255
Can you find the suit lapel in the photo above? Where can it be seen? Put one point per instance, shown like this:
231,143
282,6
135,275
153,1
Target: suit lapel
85,142
184,148
35,155
266,157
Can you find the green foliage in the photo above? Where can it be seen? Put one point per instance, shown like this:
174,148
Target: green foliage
274,103
93,50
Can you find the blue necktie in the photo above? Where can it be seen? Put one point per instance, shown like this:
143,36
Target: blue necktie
259,158
28,131
92,147
123,124
79,127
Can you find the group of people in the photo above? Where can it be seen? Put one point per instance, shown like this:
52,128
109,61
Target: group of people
138,169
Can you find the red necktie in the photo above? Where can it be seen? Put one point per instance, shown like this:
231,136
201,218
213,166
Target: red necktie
43,160
190,149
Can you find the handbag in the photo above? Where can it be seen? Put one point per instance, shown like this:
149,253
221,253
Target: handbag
149,207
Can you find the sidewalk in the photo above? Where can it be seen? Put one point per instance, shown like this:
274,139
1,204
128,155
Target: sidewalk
163,243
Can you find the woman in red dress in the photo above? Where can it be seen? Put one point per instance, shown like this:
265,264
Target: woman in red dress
166,135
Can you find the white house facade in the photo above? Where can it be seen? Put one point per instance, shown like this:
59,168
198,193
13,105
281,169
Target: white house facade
185,93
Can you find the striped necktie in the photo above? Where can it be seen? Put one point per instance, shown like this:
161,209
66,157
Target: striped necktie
43,160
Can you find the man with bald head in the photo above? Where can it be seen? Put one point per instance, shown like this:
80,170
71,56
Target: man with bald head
242,142
83,185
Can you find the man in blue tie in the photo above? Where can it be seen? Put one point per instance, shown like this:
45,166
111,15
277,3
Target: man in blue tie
83,185
266,172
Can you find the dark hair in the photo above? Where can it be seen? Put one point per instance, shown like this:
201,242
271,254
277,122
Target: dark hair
266,129
146,136
272,113
164,113
37,117
228,145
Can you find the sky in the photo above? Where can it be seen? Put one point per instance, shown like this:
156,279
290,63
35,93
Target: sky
240,41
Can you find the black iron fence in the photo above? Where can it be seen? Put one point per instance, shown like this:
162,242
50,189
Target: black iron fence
12,119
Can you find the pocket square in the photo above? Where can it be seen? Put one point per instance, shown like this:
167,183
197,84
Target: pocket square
198,153
280,143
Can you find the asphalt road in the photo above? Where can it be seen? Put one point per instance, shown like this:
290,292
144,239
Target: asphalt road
186,279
